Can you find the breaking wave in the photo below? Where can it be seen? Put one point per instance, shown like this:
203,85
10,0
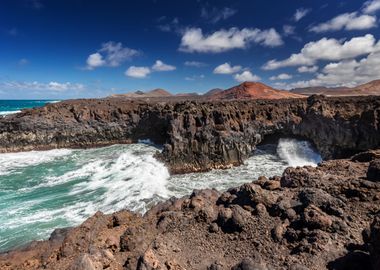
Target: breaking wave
298,153
41,191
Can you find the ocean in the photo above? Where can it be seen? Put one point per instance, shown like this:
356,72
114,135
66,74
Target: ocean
15,106
42,191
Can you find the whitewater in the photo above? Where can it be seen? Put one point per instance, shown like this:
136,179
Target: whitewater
41,191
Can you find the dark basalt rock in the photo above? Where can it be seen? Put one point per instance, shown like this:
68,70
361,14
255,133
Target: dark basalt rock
196,135
373,173
247,227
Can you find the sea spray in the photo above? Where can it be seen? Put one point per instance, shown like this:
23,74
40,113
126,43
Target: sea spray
297,153
41,191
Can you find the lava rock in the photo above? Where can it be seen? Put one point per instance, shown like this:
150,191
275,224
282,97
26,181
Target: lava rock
373,172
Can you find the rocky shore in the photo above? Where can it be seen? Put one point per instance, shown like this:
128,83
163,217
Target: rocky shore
197,135
309,218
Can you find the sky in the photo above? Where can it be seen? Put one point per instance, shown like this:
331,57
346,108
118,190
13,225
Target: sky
58,49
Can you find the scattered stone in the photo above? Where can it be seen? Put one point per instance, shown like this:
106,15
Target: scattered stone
316,219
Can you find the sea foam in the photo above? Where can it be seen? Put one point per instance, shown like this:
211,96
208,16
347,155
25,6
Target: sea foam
297,153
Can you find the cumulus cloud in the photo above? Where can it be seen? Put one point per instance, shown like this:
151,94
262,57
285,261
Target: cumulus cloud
95,60
195,64
282,76
345,73
193,39
306,69
347,21
246,76
226,68
143,72
288,30
161,66
371,6
137,72
300,13
39,86
215,15
111,54
327,49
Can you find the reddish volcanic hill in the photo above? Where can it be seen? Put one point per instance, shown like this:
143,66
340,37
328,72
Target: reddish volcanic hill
213,92
367,89
253,90
158,93
371,88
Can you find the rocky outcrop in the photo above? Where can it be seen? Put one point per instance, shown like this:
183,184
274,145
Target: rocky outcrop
310,218
197,136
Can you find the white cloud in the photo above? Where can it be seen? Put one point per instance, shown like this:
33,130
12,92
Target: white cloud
39,86
193,39
137,72
300,13
327,49
195,64
282,76
347,21
306,69
95,60
246,76
371,6
161,66
288,30
215,15
111,54
345,73
226,68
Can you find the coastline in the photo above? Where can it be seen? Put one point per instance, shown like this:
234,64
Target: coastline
280,222
309,218
197,136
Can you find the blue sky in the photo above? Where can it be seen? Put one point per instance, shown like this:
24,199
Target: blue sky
77,48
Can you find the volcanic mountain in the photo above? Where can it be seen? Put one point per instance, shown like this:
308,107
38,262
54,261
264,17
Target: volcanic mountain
158,92
252,90
213,92
370,88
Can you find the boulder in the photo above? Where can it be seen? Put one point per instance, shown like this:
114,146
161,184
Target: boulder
373,172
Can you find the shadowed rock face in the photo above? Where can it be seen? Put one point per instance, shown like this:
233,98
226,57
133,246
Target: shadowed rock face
310,218
197,136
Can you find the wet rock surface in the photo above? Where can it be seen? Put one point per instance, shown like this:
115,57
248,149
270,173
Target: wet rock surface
315,218
197,135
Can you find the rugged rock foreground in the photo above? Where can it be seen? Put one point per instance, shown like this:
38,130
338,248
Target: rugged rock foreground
310,218
196,135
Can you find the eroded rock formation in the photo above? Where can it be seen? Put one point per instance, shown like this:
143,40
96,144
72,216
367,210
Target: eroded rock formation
197,136
310,218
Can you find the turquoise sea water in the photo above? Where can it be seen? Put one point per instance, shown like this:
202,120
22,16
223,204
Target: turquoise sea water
14,106
42,191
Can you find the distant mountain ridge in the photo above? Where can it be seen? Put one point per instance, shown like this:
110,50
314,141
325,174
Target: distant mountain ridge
370,88
158,92
257,90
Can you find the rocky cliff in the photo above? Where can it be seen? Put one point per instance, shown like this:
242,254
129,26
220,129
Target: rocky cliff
197,136
310,218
